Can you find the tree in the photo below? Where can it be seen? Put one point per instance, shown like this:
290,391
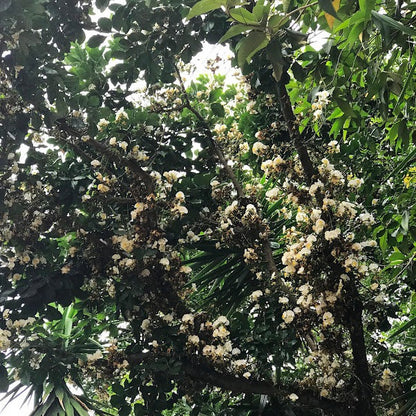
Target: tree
193,247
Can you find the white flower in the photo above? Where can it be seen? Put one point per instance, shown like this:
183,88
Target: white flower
127,245
221,320
328,319
171,176
103,188
288,316
247,375
180,196
332,235
293,397
355,183
188,319
145,325
165,263
102,124
319,226
185,269
220,332
272,194
259,148
256,295
283,300
95,163
193,339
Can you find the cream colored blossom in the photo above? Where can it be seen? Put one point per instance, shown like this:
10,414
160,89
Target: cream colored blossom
288,316
259,148
332,234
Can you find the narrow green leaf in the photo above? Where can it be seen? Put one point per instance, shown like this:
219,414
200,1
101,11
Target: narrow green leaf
251,44
403,328
234,31
383,242
78,407
4,379
402,165
327,6
68,406
394,23
204,6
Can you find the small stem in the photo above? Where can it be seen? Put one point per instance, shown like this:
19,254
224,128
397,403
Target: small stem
299,9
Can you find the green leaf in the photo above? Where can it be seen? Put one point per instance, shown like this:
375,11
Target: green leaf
81,411
218,109
383,242
367,6
327,6
276,22
260,11
394,23
204,6
4,379
242,15
251,44
95,41
396,258
234,31
61,107
102,4
405,327
105,24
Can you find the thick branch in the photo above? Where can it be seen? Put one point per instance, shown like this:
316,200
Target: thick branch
205,375
297,139
354,322
356,330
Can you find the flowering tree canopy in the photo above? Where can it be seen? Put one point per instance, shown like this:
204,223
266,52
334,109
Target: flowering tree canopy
183,244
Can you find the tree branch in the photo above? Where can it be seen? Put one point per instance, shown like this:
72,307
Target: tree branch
238,385
111,155
297,139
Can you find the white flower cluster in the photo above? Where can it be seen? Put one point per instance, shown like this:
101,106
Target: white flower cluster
319,105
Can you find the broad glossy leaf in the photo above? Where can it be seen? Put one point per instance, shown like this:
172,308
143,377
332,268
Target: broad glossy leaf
234,31
95,41
242,15
204,6
251,44
218,109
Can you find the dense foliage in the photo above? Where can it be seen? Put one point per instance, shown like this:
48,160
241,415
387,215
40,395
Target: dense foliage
181,244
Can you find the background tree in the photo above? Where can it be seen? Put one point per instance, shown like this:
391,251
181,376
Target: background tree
194,247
